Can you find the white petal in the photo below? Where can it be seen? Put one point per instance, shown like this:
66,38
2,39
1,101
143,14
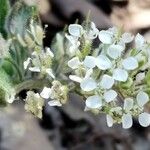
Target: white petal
130,63
26,63
49,52
144,119
75,30
34,53
127,121
128,104
103,62
142,98
105,37
54,103
113,30
114,51
106,82
127,37
93,102
89,72
110,95
139,41
34,69
89,61
92,34
46,92
50,73
74,63
11,98
88,84
75,78
120,75
140,77
73,40
109,121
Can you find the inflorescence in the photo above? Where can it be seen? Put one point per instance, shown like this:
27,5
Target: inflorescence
112,78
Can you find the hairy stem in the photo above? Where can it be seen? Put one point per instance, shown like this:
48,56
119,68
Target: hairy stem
32,84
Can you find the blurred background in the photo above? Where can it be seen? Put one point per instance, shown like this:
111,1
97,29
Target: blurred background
69,127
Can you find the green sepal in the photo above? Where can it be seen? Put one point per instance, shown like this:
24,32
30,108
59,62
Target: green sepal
133,52
127,84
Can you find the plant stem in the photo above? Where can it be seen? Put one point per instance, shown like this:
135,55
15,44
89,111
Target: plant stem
31,84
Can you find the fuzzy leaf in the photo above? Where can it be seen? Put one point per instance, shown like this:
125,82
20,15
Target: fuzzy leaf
19,18
6,87
58,46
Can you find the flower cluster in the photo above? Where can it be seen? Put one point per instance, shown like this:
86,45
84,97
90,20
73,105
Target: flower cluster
112,78
58,93
34,104
40,62
108,68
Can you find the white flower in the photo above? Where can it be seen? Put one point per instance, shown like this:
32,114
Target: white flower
106,82
110,95
142,98
34,69
75,78
109,121
130,63
26,63
46,92
127,38
103,62
94,102
127,117
74,63
120,75
75,30
74,44
115,51
139,41
105,37
89,62
144,119
11,97
128,104
93,32
88,84
54,103
127,121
